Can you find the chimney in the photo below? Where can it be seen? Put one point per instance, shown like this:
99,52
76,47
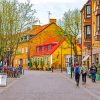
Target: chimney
52,21
35,26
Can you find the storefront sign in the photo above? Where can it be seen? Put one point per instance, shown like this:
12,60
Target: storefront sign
3,79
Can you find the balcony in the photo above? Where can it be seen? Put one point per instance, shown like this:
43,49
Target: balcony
97,12
87,41
97,36
87,21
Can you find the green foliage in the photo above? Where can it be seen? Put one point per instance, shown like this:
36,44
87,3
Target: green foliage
71,23
30,63
15,17
36,64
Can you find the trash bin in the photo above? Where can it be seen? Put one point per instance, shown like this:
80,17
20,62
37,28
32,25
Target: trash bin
3,79
97,77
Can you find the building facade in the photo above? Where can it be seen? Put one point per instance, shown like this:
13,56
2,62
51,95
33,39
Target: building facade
43,46
90,18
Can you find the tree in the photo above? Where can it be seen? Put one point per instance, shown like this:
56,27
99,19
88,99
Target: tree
15,17
72,25
42,63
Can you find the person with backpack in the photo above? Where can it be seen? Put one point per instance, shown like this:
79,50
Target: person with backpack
93,71
84,71
77,74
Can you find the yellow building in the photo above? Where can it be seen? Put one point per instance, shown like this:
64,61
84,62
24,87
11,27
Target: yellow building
90,15
41,38
56,53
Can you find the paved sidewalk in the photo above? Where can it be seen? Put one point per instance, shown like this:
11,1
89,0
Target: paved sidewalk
93,88
45,86
10,81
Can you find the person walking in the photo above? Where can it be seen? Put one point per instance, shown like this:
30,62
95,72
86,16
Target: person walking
77,74
52,67
84,71
93,71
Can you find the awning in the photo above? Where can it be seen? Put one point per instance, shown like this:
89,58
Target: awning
85,58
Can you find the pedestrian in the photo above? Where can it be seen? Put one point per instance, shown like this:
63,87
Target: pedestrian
93,71
84,71
52,67
72,69
77,74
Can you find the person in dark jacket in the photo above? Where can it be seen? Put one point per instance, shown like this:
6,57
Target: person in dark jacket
93,71
77,74
52,67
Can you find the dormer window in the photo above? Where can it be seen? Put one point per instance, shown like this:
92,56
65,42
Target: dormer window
49,47
42,48
88,11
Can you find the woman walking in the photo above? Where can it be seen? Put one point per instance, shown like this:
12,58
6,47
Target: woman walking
84,73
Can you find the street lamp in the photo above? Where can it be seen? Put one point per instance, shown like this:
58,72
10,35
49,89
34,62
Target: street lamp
61,58
71,56
65,34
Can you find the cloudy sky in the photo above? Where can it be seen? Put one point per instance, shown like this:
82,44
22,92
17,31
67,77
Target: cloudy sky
56,7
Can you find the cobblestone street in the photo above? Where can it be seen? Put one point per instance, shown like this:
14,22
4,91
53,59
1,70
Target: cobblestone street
38,85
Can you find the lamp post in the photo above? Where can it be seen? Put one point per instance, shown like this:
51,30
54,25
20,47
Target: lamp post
71,56
65,34
61,58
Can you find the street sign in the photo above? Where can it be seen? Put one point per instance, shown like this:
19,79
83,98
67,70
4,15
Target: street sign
3,79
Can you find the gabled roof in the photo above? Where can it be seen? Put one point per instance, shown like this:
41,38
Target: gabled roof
39,29
51,40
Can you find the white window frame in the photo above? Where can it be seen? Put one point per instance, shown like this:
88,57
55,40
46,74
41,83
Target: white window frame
42,48
49,47
22,50
26,49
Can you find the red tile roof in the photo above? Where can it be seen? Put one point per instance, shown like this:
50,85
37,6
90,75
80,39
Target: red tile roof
52,40
39,29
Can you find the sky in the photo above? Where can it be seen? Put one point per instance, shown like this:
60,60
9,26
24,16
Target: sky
56,8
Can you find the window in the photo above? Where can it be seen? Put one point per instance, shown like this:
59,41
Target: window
98,3
97,22
15,61
87,30
26,61
42,48
88,11
37,49
26,49
22,50
49,47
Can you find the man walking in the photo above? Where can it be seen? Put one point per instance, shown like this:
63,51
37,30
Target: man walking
77,74
93,71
